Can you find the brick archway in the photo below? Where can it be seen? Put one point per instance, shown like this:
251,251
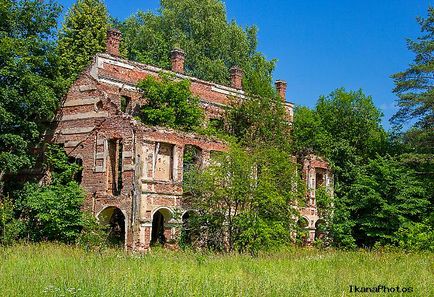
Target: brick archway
160,233
115,220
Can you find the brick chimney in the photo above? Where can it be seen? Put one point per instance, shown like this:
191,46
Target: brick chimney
178,60
114,37
281,89
236,77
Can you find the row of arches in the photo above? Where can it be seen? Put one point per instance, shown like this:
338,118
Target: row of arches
162,220
318,226
116,222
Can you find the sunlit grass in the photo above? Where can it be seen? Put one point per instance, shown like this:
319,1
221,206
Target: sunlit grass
58,270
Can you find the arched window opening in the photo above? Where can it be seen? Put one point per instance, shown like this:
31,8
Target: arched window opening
303,222
186,232
303,232
78,176
192,157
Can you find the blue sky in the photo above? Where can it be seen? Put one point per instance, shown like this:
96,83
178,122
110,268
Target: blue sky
322,45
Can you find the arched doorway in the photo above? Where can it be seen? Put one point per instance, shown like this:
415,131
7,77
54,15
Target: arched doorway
159,226
303,222
320,229
186,232
114,219
303,232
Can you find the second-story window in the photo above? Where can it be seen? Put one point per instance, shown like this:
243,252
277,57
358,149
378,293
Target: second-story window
126,104
192,158
319,180
114,166
164,161
78,176
216,124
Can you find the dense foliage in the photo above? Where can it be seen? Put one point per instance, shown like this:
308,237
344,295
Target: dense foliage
371,187
169,103
213,45
28,81
386,195
243,200
260,121
52,211
49,210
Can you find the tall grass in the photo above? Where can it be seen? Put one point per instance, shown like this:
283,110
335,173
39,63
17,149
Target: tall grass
58,270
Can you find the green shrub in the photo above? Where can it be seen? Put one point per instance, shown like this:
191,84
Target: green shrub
53,212
10,227
93,236
415,237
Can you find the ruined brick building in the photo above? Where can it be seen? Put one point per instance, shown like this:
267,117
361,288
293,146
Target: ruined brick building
133,173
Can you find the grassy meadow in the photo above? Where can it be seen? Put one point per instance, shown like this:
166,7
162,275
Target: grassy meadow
58,270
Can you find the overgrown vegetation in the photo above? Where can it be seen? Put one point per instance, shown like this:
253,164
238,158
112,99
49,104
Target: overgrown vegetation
243,200
51,210
64,270
170,103
383,181
376,193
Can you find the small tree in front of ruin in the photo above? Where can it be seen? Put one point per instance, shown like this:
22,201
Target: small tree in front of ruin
246,199
243,200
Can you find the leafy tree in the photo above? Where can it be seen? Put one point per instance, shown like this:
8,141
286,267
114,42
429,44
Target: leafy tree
309,134
386,195
352,118
243,200
259,121
29,85
213,45
345,128
170,103
52,212
83,35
